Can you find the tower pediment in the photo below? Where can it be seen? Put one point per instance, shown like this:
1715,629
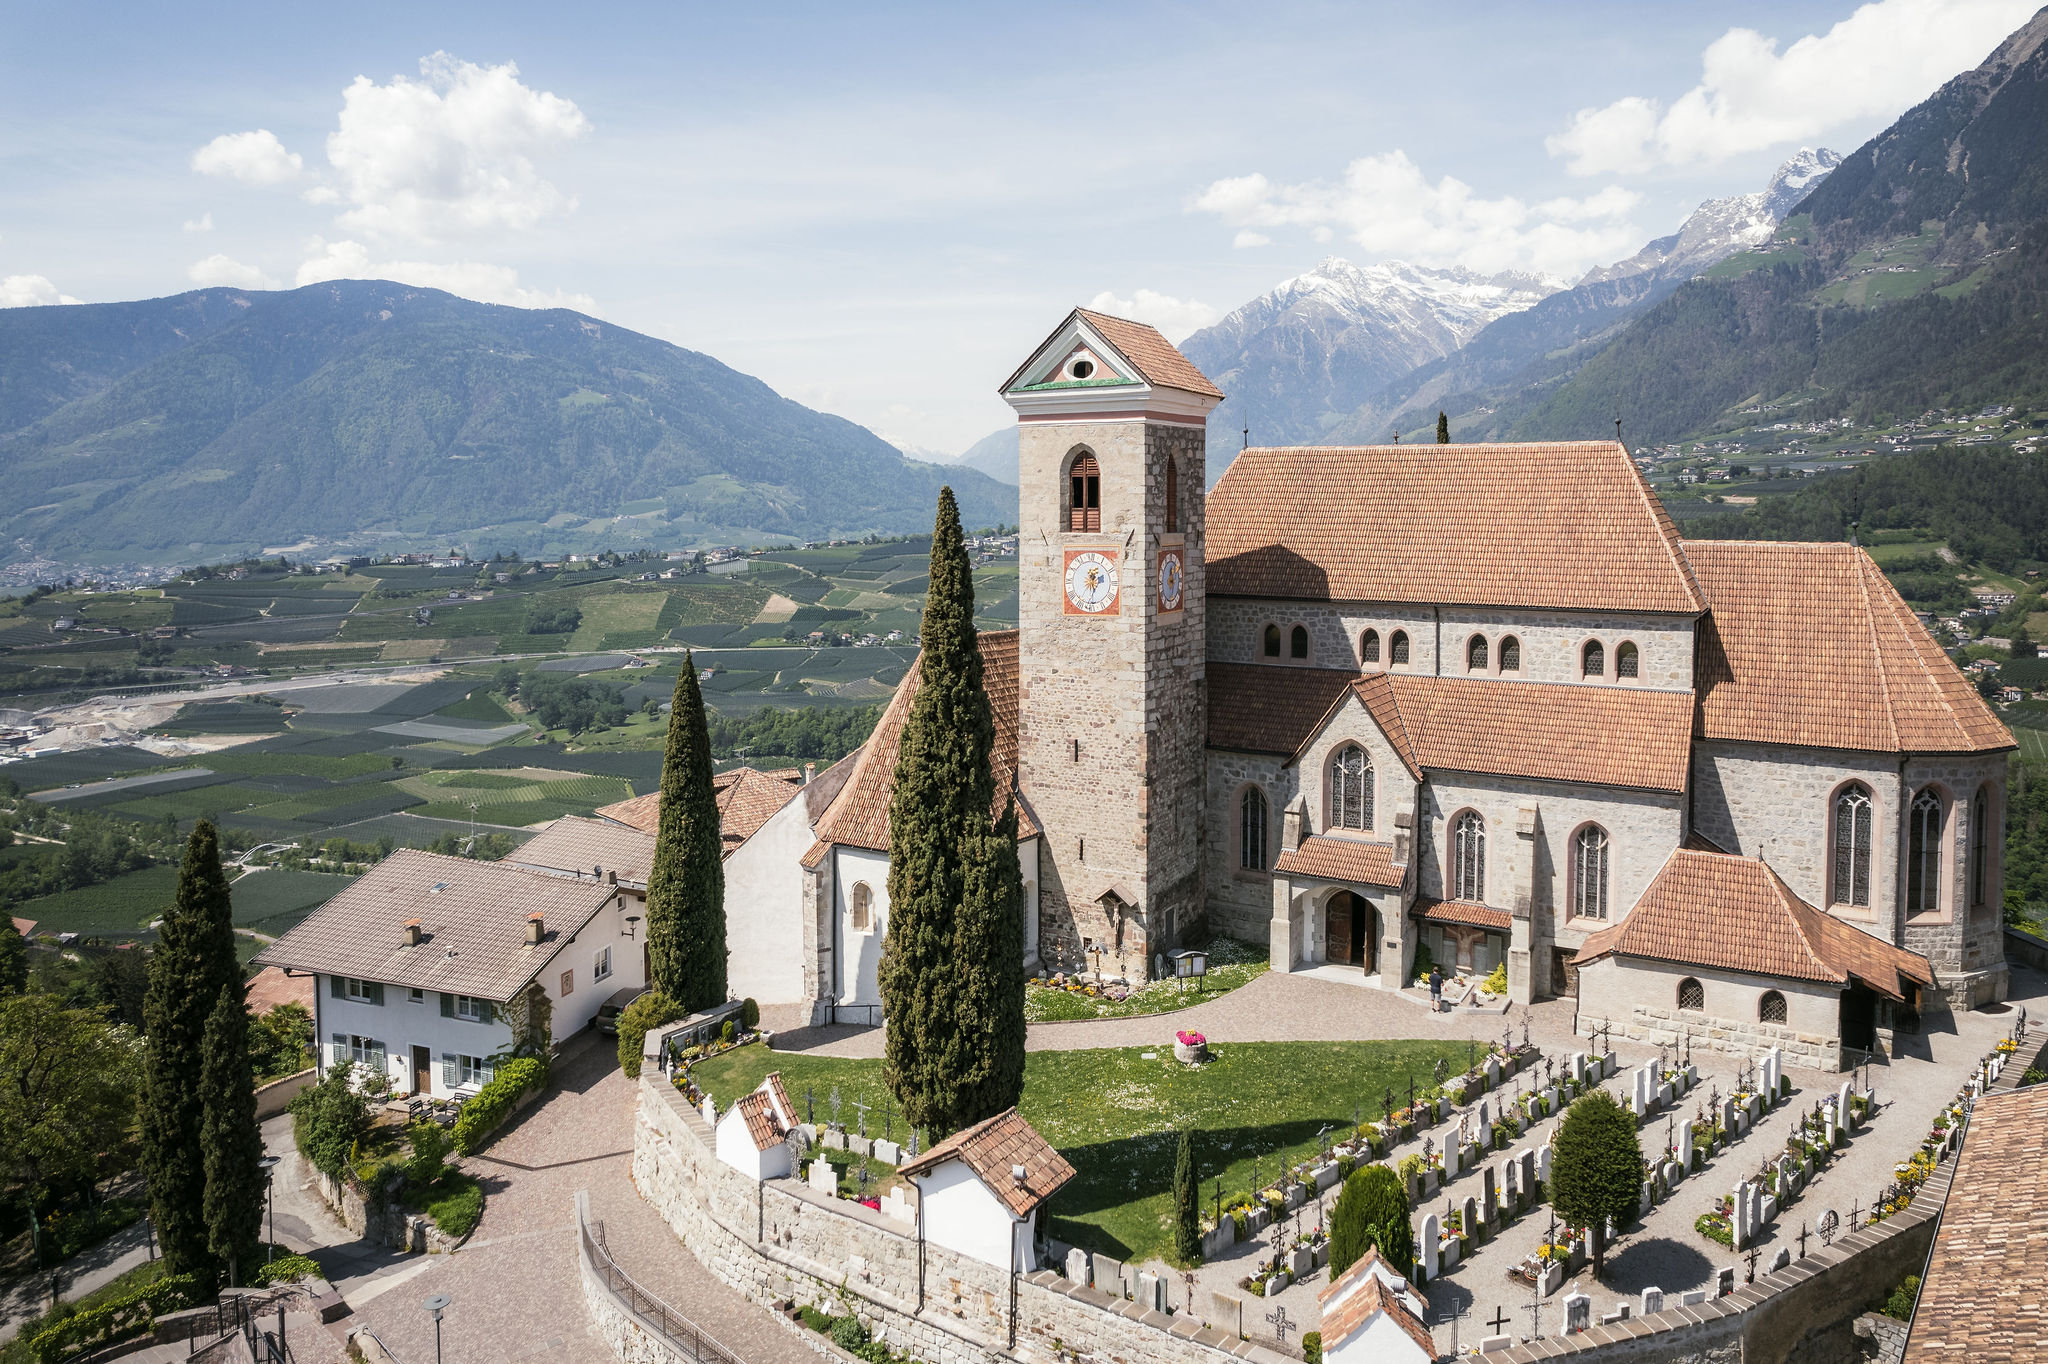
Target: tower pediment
1099,365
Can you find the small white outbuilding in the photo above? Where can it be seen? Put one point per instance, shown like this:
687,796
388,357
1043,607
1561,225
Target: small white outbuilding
981,1190
753,1136
1372,1315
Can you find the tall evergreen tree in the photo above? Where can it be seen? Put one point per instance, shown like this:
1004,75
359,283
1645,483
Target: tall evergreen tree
1597,1174
1187,1202
951,974
193,963
1443,429
230,1142
1371,1211
13,957
686,888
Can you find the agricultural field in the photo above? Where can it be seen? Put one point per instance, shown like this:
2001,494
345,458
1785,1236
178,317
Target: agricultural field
120,909
272,900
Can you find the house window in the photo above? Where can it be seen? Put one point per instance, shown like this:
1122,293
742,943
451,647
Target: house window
1297,642
1369,647
1923,854
1270,644
357,990
1084,495
474,1010
472,1070
1626,661
1350,789
1852,846
1691,995
1475,654
366,1051
1397,649
863,908
601,964
1510,655
1770,1008
1593,660
1468,858
1172,495
415,996
1251,829
1980,846
568,983
1589,873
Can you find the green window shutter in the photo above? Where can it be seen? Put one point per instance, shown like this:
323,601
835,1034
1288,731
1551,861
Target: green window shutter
448,1073
490,1070
334,987
376,990
487,1012
447,1006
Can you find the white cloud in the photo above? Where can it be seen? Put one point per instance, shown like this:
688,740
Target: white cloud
1250,238
203,223
256,158
1387,206
470,279
218,270
1881,60
28,291
450,152
1174,317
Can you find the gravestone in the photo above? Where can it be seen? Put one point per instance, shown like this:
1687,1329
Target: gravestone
1492,1072
1452,1156
1543,1159
1510,1184
1489,1198
1616,1317
1258,1219
1575,1065
1649,1198
1742,1216
710,1111
1781,1259
1414,1182
1653,1301
1527,1183
1724,1281
1553,1279
1077,1266
1693,1298
1485,1120
1469,1218
1842,1111
823,1177
1728,1116
1276,1285
1664,1095
1578,1313
888,1152
1109,1276
1673,1173
1769,1212
1300,1261
1786,1179
1495,1344
1226,1314
1325,1175
1151,1292
1431,1235
1550,1098
860,1146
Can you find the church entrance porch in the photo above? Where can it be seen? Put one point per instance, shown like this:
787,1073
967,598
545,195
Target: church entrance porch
1350,932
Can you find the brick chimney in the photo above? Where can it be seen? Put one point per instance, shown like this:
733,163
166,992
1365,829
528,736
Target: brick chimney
810,773
412,932
535,927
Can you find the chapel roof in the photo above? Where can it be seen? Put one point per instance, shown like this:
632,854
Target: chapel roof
747,798
1556,526
1157,361
1367,1287
1327,857
993,1149
1810,645
858,816
1736,913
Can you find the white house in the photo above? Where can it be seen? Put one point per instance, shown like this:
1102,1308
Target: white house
981,1190
426,963
1372,1315
753,1135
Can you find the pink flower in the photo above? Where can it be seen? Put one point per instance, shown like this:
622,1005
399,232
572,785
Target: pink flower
1191,1039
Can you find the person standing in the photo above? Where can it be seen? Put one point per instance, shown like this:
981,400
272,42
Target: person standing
1436,989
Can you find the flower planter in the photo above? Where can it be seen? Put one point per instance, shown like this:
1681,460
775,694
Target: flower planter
1191,1055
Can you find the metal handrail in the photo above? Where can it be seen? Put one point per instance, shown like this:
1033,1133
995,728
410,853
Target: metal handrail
675,1328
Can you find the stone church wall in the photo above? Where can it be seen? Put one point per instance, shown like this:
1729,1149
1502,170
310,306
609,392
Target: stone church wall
1240,901
1638,1000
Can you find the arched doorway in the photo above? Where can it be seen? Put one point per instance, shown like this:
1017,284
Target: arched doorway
1350,931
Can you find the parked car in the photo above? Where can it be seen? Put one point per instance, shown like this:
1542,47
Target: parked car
607,1020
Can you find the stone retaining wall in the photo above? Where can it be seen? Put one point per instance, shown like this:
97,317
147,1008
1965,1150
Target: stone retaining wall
780,1241
273,1098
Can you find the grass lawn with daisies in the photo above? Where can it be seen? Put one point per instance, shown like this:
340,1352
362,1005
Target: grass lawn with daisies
1116,1114
1231,964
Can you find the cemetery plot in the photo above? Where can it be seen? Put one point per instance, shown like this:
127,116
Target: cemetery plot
1056,998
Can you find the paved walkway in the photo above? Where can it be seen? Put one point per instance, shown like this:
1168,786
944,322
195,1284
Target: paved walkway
27,1296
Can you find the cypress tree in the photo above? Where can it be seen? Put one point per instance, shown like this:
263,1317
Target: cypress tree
1443,429
230,1141
686,887
1596,1174
1187,1202
1371,1211
13,958
951,973
193,963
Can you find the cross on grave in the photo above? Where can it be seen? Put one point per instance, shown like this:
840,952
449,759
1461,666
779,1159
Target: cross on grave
1472,1057
861,1178
1670,1132
1507,1039
1188,1278
863,1117
834,1101
1660,1059
1828,1223
1452,1316
1753,1257
810,1106
1428,1150
1411,1096
1525,1025
1500,1319
1219,1201
913,1142
1802,1238
1550,1236
1535,1310
1279,1321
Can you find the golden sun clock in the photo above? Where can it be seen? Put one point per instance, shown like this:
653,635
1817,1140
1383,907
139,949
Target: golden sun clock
1092,583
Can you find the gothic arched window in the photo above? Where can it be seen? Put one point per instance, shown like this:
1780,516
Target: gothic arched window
1369,647
1172,495
1923,853
1251,830
1350,789
1980,845
1627,662
1852,846
1691,995
1770,1008
1084,493
1297,642
1510,654
1475,654
1397,649
1589,873
1468,857
1593,660
1270,644
863,908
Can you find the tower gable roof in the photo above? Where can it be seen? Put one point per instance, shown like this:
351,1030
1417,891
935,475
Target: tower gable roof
1138,351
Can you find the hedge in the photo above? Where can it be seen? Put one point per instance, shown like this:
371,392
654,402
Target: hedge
123,1317
493,1103
288,1269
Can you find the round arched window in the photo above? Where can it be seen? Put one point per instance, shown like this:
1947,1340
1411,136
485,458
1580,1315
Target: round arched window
1475,654
1297,643
1369,647
1627,662
863,908
1511,655
1397,649
1270,644
1771,1008
1692,995
1593,660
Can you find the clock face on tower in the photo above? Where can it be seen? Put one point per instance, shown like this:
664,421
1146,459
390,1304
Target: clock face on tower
1171,582
1091,582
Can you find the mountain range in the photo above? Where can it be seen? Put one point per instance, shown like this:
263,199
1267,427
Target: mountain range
357,413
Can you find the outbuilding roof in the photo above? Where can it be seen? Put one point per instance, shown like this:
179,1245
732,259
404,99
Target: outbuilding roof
1367,1287
1328,857
746,798
994,1149
764,1124
1737,914
590,848
473,925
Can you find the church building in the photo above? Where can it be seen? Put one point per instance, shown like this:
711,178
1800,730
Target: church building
1482,701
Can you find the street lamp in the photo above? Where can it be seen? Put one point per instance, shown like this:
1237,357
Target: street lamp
269,1166
435,1306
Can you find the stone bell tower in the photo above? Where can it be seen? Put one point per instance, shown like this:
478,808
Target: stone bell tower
1113,704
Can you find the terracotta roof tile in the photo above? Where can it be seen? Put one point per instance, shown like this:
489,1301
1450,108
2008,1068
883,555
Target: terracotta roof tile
746,798
1981,1299
859,816
1463,912
25,927
1364,1290
1736,914
1328,857
992,1149
1155,358
1809,644
764,1124
271,987
779,1095
579,846
1258,708
1543,526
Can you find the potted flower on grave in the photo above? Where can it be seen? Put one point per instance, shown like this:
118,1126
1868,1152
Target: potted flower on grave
1190,1047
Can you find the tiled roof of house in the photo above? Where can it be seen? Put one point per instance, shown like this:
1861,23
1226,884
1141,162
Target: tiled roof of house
764,1124
1606,736
1736,914
1809,644
1562,526
1330,858
580,846
746,798
993,1149
1463,912
25,927
271,987
1981,1300
1364,1289
858,816
473,925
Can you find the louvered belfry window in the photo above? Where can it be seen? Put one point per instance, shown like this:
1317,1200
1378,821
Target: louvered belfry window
1084,505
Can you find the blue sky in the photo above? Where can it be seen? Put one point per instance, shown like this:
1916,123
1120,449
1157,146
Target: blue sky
880,209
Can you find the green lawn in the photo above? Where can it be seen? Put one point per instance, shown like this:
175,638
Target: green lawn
1231,964
1116,1116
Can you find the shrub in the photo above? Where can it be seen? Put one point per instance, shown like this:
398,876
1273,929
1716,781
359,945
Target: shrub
643,1015
125,1316
848,1334
2034,1076
493,1103
1496,982
1900,1303
1312,1347
750,1013
288,1269
725,1033
1411,1164
1371,1211
455,1203
329,1118
430,1146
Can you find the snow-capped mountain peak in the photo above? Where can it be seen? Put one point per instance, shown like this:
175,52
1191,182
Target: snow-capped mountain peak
1718,228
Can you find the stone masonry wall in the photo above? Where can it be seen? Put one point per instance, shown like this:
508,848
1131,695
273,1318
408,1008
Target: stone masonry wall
1638,1000
780,1241
1241,902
